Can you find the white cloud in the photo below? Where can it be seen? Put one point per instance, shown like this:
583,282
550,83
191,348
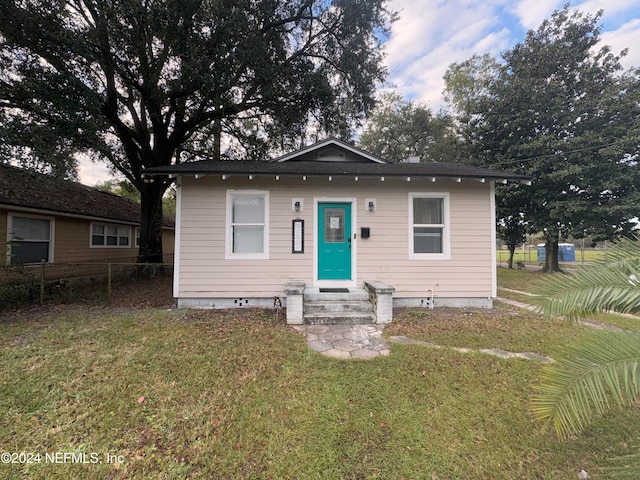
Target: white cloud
532,12
610,8
410,34
430,36
627,36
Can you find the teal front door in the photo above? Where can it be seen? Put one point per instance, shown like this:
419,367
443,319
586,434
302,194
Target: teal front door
334,242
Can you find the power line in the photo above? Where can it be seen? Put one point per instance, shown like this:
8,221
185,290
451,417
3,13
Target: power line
539,157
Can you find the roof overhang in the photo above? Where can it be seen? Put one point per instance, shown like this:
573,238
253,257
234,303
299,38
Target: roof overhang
331,159
305,170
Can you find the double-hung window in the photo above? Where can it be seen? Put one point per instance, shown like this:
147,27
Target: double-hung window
30,239
247,224
107,235
429,225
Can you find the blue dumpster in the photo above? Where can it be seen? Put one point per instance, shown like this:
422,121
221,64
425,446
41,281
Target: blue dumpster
566,252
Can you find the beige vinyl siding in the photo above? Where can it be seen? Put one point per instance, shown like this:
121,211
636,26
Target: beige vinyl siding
204,272
203,268
385,256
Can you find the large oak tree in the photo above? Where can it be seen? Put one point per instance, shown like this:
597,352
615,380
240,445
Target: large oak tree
561,109
146,83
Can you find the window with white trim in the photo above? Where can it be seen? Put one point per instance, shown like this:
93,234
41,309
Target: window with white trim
30,239
104,235
429,225
247,224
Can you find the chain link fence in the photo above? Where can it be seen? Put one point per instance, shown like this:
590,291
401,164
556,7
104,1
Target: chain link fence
119,282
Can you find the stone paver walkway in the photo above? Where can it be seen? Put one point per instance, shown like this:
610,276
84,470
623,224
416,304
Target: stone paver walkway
365,342
346,341
488,351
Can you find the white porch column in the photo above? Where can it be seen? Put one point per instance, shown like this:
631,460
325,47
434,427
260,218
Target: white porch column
381,295
295,302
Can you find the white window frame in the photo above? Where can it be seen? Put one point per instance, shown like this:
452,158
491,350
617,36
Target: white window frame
51,220
105,225
136,240
229,253
446,227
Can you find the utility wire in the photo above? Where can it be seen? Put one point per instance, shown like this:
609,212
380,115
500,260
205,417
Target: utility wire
539,157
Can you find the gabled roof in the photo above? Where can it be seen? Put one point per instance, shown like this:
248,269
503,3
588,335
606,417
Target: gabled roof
330,150
26,189
332,158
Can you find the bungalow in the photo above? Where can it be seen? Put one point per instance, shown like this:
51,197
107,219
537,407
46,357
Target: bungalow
331,216
58,221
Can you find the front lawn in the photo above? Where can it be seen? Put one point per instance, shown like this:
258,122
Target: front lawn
235,395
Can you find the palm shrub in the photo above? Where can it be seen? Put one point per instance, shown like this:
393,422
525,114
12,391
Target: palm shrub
605,373
612,283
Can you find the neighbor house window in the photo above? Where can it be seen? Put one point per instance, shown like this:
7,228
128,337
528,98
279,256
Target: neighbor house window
107,235
30,239
247,224
429,225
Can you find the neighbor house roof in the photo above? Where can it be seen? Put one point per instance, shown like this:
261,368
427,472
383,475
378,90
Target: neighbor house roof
333,158
26,189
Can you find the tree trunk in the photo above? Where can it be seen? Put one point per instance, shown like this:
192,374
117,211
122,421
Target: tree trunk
512,251
551,251
151,223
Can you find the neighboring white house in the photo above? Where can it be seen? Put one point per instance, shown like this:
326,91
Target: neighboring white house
332,215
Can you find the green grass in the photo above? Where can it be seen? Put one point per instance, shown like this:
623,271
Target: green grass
522,280
529,281
505,328
235,395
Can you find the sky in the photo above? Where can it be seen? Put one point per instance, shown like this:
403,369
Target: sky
430,35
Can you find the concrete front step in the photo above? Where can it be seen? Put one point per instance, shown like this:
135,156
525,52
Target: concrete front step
339,318
354,295
338,306
376,293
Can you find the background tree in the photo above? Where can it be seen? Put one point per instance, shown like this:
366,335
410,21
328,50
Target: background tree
562,111
399,129
149,83
122,188
125,189
513,230
467,85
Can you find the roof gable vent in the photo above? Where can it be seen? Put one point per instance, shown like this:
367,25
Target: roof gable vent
331,155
